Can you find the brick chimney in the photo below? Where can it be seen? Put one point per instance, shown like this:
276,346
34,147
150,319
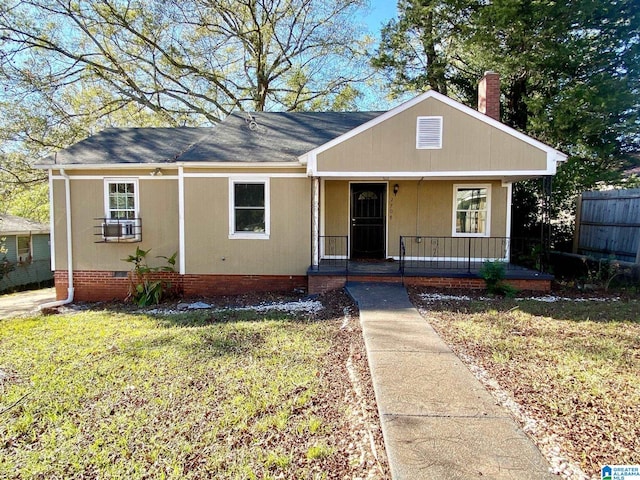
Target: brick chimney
489,95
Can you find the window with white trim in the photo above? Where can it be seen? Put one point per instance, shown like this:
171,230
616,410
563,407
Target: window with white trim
429,133
121,206
121,199
249,211
471,210
23,248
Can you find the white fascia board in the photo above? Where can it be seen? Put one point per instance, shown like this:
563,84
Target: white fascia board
24,233
312,163
463,174
248,165
122,175
107,166
152,166
551,152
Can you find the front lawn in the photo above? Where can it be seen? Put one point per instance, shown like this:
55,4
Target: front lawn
572,366
199,395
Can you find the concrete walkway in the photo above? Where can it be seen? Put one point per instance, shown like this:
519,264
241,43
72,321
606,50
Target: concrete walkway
21,303
438,421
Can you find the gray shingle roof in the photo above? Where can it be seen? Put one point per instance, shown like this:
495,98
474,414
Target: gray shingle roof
11,225
131,145
274,137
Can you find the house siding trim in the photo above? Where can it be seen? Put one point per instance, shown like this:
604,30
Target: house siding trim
52,223
444,175
118,177
246,175
152,166
507,232
185,175
182,254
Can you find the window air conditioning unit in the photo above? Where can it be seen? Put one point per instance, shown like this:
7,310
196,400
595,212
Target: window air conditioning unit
121,230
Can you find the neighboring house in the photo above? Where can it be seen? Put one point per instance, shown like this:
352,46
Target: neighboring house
25,254
272,201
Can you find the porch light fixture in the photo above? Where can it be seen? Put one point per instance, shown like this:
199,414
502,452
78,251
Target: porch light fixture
157,171
396,188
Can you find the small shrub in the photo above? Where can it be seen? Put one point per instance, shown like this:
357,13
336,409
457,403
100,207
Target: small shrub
144,290
493,274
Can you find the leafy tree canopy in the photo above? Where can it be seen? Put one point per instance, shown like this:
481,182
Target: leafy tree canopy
570,75
69,68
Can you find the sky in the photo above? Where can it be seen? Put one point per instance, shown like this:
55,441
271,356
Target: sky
381,11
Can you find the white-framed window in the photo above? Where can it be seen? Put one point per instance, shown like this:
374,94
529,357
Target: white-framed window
429,133
249,208
121,206
121,199
471,210
23,248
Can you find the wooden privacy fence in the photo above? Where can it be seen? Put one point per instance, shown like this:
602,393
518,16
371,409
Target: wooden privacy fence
608,225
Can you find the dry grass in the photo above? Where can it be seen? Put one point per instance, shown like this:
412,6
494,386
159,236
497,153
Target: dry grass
572,366
125,395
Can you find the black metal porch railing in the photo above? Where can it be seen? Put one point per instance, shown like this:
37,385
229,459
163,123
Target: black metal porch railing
334,251
468,253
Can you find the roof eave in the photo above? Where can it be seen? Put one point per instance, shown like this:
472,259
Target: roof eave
151,166
25,232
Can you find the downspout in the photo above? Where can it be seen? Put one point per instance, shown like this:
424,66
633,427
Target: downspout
70,289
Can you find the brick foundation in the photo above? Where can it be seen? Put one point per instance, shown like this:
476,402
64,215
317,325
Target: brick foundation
326,283
105,286
100,286
531,285
211,285
96,286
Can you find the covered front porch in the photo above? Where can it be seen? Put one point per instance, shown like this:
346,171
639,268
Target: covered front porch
442,262
436,232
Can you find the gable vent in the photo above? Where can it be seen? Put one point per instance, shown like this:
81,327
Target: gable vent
429,132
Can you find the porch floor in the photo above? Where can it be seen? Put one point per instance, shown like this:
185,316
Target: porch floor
385,268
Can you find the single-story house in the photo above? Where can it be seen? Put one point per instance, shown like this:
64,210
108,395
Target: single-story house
284,200
25,254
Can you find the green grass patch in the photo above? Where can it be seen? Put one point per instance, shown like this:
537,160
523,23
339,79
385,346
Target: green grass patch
572,364
112,395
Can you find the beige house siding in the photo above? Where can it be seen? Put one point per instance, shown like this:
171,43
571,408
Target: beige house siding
59,226
420,208
209,250
158,210
336,206
468,145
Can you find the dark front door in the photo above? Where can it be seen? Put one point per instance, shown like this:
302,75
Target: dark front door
368,220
